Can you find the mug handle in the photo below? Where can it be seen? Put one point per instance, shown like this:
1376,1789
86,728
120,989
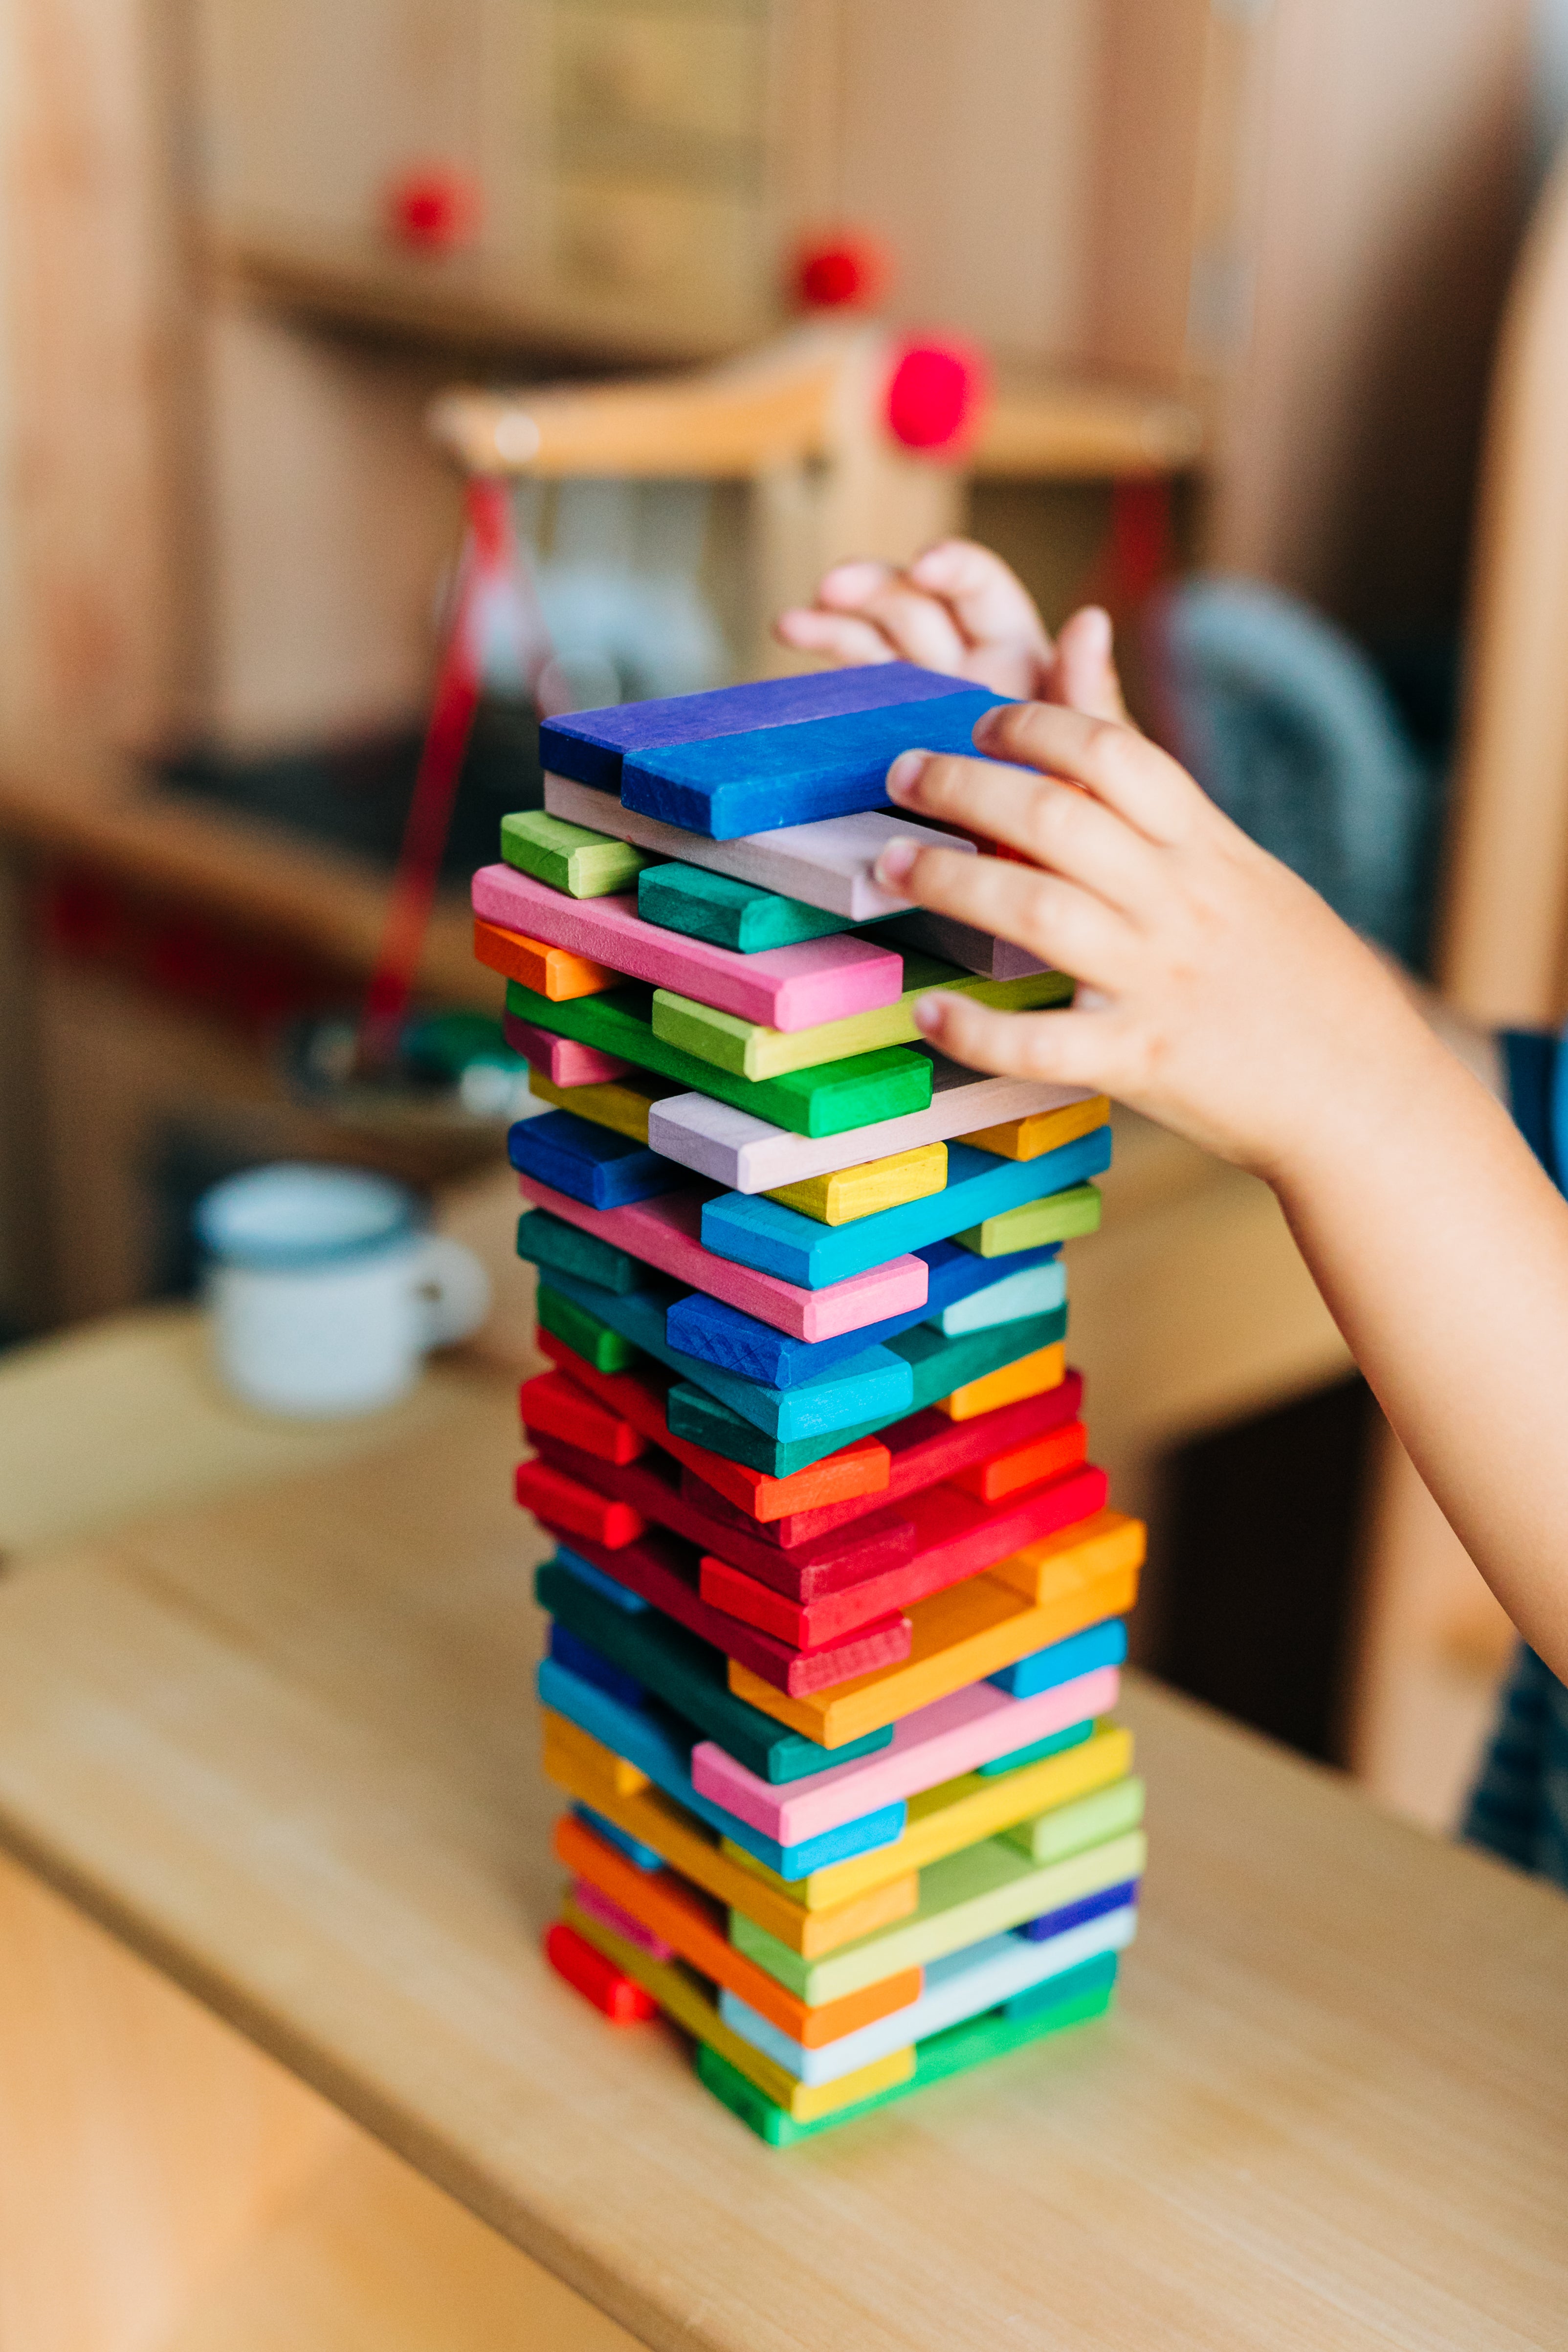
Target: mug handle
452,1289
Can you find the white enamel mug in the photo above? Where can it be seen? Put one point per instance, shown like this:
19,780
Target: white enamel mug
324,1292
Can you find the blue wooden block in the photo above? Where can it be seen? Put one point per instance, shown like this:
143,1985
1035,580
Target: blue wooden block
1075,1915
630,1603
632,1848
721,1334
751,1230
870,1381
589,1163
582,1658
589,745
1081,1653
643,1741
793,775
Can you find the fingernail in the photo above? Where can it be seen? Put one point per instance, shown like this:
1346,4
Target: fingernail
928,1012
905,774
987,723
891,868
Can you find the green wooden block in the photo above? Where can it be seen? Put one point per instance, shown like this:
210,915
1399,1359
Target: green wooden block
546,1241
1061,1217
584,1334
568,857
1087,1821
833,1100
752,1051
1078,1994
731,914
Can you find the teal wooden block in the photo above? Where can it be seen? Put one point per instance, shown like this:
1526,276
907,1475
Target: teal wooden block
546,1241
731,914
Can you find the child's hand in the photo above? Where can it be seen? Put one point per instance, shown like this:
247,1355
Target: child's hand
1219,993
959,609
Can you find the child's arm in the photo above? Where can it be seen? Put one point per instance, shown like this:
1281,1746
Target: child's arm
1220,995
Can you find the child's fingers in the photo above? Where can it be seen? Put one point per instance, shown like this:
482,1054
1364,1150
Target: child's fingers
839,635
1084,674
1124,770
1068,1048
917,626
849,586
991,602
1065,926
1057,827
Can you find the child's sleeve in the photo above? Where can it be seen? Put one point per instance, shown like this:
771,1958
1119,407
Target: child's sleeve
1536,1063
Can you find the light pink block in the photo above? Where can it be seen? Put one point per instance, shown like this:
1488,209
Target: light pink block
957,1734
562,1060
784,988
609,1914
666,1234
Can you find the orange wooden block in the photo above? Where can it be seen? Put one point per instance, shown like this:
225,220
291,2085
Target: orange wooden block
1042,1131
1045,1456
1030,1376
697,1930
1109,1544
551,1404
549,972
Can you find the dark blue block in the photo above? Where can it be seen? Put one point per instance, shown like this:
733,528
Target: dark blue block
582,1658
632,1848
793,775
1081,1653
751,1230
589,745
589,1163
724,1335
1073,1915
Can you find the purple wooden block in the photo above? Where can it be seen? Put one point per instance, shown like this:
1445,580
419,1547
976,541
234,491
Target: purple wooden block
589,745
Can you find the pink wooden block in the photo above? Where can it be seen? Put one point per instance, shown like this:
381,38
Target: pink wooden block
587,1898
666,1234
956,1734
783,988
562,1060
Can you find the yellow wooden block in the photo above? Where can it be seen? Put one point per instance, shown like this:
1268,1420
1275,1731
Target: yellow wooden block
625,1777
1108,1544
944,1821
958,1636
619,1103
854,1192
1030,1376
749,1050
695,1850
680,1993
1043,1130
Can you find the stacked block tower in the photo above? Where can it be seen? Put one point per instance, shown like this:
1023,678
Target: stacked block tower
837,1607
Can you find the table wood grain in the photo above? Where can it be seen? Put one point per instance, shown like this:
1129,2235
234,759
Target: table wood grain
285,1746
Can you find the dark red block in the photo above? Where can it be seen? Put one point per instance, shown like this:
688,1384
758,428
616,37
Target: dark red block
597,1979
581,1514
959,1536
554,1405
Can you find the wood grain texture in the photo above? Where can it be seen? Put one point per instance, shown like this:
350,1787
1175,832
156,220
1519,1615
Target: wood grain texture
1326,2107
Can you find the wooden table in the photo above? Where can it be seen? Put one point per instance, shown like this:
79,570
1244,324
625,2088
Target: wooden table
282,1745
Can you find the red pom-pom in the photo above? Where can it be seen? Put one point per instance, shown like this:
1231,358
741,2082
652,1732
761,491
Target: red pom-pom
842,273
935,395
433,209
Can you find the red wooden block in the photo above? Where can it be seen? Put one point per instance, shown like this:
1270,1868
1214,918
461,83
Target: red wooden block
576,1511
664,1572
597,1979
553,1407
1043,1457
639,1398
653,1485
959,1537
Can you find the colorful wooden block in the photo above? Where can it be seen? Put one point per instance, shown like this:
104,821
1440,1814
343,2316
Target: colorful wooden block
727,1140
852,1193
1009,1384
1073,1915
622,1777
842,1097
560,1503
1093,1818
607,1913
797,987
588,1338
1039,1749
702,1326
1045,1456
1027,1138
673,1835
568,857
550,1243
924,933
700,1419
1108,1545
1036,1290
964,1985
1081,1653
969,1631
687,1673
796,775
686,2002
553,1408
666,1234
580,1658
751,1050
1071,1999
956,1536
588,1972
759,1232
932,1764
731,914
591,744
564,1063
620,1104
843,1398
830,865
552,974
592,1164
1064,1217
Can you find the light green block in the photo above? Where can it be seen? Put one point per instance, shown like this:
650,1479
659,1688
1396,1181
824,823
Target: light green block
568,857
1061,1217
1086,1821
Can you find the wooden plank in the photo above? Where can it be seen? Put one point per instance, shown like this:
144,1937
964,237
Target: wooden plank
852,1192
591,1163
731,914
568,857
1064,1217
553,973
751,1050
